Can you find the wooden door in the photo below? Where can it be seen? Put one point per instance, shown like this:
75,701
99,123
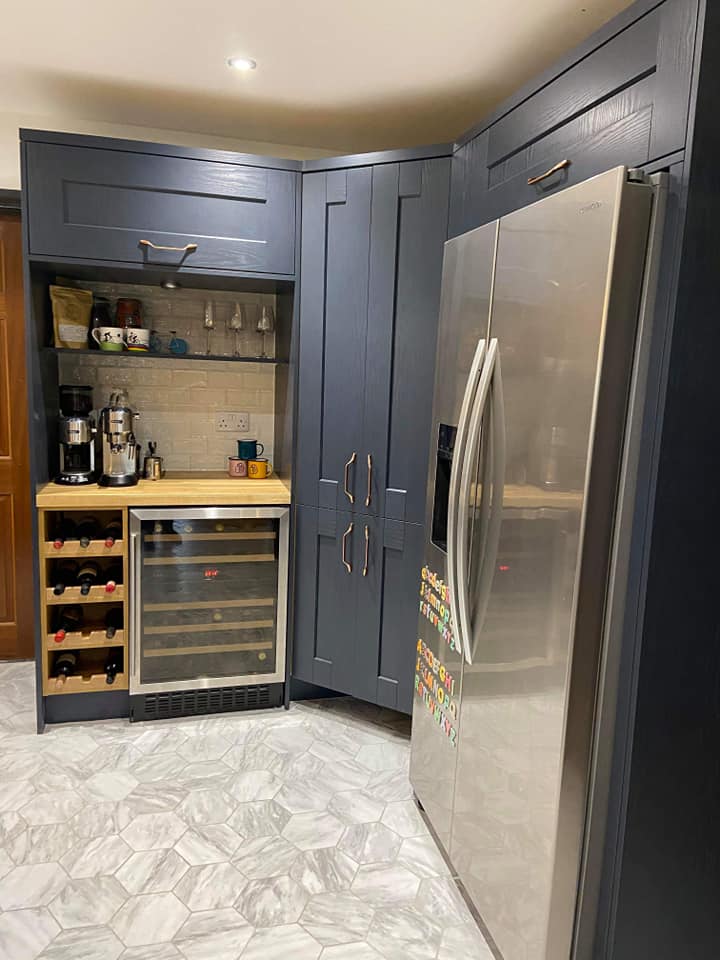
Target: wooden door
16,602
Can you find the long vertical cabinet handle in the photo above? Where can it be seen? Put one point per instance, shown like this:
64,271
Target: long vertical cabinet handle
457,461
134,606
368,498
367,551
346,563
346,490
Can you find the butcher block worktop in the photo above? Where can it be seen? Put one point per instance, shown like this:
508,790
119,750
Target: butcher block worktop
174,490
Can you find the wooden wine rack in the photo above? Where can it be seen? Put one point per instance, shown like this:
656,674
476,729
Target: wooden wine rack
91,641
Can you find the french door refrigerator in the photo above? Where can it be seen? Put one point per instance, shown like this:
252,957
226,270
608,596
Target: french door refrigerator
542,348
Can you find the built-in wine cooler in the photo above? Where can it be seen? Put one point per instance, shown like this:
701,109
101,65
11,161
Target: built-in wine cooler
209,603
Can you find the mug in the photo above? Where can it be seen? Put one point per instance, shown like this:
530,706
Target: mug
250,449
259,469
137,339
108,338
237,467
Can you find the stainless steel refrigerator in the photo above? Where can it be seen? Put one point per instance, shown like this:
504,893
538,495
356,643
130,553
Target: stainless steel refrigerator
542,352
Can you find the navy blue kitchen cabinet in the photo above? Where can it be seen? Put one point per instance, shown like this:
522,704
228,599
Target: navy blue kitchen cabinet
356,604
372,239
205,210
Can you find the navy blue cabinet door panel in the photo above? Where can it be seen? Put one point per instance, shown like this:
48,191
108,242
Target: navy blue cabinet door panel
100,204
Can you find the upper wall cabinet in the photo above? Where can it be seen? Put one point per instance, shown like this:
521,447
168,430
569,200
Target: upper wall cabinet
624,103
372,241
158,210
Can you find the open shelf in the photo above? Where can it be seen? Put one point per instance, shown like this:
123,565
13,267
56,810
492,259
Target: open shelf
73,548
92,640
96,595
128,355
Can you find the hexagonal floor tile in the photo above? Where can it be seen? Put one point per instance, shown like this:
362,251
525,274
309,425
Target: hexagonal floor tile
254,785
213,935
42,844
421,855
404,818
284,941
206,806
211,886
289,739
270,902
32,885
265,857
88,943
355,951
150,918
86,903
25,933
51,807
356,806
334,918
384,756
101,856
110,785
370,843
152,871
303,796
384,884
208,747
324,871
153,831
310,831
155,951
260,818
213,843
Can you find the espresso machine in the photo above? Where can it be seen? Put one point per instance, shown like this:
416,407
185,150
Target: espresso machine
120,450
76,436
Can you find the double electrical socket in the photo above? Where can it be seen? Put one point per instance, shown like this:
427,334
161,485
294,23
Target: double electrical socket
232,422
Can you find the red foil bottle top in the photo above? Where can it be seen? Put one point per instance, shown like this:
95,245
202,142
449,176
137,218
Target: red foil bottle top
59,544
60,636
110,586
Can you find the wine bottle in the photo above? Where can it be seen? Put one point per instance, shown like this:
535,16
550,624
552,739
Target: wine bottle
112,532
64,530
87,529
88,575
68,618
66,573
113,577
113,665
65,666
113,622
158,527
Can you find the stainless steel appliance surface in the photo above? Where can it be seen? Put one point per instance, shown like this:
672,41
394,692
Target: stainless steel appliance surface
120,450
540,340
208,597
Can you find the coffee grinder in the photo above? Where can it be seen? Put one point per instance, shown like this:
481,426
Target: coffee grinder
76,436
120,450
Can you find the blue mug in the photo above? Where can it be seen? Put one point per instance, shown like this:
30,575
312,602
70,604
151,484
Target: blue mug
250,449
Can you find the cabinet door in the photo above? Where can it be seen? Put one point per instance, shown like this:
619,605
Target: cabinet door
325,598
99,204
333,328
409,226
387,610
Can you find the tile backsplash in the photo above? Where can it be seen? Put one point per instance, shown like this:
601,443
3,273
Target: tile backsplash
178,399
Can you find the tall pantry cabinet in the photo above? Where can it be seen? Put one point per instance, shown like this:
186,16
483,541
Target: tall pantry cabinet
372,238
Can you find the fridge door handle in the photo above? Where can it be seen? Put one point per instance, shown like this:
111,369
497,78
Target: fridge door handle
458,456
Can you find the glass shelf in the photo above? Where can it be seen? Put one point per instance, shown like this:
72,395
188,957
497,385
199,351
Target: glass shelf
126,355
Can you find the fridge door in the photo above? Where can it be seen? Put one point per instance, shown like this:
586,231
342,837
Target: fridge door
566,292
209,594
461,348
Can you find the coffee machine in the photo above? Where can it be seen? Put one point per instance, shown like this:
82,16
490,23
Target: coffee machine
120,451
76,436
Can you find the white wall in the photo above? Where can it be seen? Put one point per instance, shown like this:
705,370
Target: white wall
10,123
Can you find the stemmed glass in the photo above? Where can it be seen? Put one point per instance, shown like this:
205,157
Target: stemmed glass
236,323
265,325
209,323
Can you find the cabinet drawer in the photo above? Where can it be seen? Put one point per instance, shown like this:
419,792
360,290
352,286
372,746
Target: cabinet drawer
100,204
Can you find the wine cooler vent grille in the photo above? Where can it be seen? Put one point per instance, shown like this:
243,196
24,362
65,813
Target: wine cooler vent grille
187,703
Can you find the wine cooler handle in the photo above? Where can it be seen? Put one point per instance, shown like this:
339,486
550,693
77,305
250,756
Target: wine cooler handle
346,491
135,608
347,564
367,550
368,498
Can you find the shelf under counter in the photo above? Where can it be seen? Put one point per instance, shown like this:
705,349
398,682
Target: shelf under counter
210,489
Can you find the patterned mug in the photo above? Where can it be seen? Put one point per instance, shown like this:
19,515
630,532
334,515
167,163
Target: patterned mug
237,467
259,468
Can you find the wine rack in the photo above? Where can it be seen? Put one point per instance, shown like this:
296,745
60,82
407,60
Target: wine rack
90,641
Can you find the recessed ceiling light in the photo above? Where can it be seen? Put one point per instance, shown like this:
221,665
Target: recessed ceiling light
241,63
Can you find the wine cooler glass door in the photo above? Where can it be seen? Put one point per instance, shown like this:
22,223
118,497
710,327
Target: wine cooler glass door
209,597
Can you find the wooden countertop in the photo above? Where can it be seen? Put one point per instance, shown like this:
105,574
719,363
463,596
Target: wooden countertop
174,490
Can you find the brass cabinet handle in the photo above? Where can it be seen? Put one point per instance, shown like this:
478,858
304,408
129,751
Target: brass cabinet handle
350,462
188,248
561,165
367,550
346,562
369,489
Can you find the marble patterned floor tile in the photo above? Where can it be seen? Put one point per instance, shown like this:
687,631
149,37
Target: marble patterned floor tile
152,871
150,918
464,941
154,831
404,818
42,844
166,766
55,779
421,855
206,775
272,901
353,951
31,885
213,843
356,806
211,886
69,745
11,826
50,807
206,806
85,943
20,765
212,746
265,857
333,918
87,903
390,786
251,756
160,796
311,831
15,794
405,924
6,864
440,897
281,943
291,739
155,951
384,884
259,818
24,934
100,819
101,856
254,785
370,843
156,740
384,756
345,775
214,935
303,796
109,785
324,871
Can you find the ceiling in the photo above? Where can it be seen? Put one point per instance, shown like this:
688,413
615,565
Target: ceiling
345,75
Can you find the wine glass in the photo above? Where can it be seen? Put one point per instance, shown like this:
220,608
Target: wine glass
209,323
236,323
265,325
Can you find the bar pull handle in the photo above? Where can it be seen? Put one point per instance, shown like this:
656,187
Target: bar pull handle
367,551
368,498
188,248
346,562
561,165
350,462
